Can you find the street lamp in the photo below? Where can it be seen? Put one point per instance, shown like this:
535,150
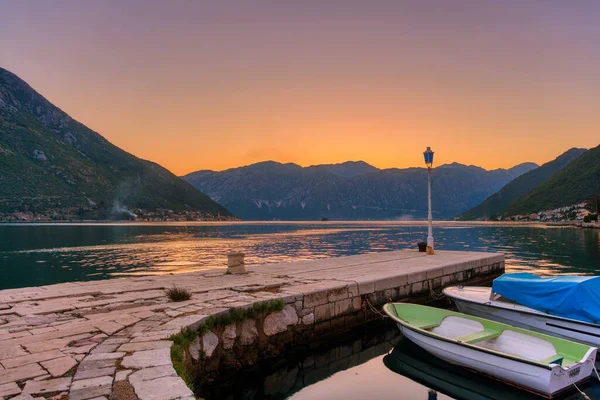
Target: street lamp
428,154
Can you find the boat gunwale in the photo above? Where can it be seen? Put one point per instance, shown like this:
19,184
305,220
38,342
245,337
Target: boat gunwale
528,310
484,349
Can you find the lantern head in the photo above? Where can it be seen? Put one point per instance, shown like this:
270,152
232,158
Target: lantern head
428,154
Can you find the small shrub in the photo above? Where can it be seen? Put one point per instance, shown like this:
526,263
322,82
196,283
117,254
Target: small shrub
178,294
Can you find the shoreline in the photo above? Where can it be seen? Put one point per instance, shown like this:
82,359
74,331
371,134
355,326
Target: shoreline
441,223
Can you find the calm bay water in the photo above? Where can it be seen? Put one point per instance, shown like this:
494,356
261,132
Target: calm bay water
371,363
32,255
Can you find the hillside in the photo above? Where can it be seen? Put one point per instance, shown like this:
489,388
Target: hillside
55,167
576,182
499,201
270,190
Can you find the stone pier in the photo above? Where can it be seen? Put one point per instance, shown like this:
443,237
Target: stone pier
110,338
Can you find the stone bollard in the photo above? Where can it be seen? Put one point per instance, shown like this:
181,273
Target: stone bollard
235,263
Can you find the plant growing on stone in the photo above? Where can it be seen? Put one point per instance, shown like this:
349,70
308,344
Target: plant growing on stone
178,294
181,343
183,339
240,314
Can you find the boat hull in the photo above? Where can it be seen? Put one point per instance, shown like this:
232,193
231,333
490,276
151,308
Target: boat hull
556,326
409,360
548,382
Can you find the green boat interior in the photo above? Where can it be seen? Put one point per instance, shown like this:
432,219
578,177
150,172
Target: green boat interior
501,338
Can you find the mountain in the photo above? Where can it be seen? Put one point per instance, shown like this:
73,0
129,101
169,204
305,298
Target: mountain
576,182
54,166
499,201
351,191
348,169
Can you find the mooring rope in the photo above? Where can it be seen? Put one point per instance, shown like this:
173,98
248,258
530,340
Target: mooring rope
436,296
596,371
376,311
383,316
585,396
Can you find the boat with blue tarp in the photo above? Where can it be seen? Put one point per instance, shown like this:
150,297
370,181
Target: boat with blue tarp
566,306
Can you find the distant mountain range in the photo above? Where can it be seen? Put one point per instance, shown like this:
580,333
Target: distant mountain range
501,202
350,190
576,182
53,166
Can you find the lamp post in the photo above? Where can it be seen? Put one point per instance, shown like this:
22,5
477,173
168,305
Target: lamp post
428,154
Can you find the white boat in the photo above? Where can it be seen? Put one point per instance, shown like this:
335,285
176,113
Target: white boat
539,363
484,303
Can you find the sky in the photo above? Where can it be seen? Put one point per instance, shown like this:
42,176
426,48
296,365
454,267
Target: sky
219,84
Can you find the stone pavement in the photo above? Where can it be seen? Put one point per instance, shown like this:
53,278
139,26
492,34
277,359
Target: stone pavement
89,340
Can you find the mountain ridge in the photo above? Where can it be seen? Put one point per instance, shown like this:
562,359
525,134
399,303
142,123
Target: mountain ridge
520,186
576,182
315,192
54,166
525,165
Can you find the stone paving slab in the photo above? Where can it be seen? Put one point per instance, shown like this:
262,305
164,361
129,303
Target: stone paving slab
21,373
165,388
47,386
80,338
59,366
9,389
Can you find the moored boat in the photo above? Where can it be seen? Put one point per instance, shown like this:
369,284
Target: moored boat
566,307
536,362
411,361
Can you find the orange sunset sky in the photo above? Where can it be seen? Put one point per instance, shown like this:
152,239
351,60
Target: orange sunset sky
214,85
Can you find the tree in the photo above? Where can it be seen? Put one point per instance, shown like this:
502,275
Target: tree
594,203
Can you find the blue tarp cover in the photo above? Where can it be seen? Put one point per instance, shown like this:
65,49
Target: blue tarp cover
575,297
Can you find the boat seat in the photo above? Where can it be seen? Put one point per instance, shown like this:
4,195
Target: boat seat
425,324
555,359
454,326
522,345
478,336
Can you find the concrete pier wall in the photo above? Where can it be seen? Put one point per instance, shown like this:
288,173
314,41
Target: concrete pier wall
307,365
325,307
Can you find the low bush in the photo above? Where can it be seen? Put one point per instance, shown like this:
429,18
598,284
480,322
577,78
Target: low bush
178,294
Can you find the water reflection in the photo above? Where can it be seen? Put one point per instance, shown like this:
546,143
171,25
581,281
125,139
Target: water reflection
371,362
321,370
43,254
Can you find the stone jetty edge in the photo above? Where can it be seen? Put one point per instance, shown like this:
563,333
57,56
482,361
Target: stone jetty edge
109,339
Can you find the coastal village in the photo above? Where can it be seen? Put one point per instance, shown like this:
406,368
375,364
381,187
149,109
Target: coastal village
139,215
579,214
